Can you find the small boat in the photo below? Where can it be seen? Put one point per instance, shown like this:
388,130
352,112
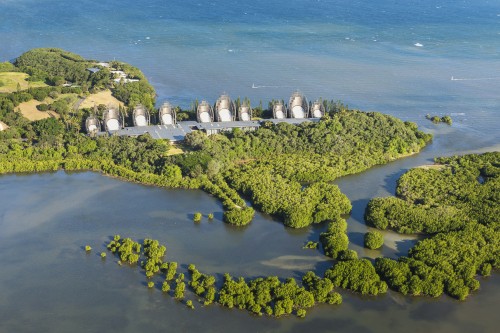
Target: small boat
167,114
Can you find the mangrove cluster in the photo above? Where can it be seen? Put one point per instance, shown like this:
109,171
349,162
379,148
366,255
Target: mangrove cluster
437,119
268,295
458,207
270,165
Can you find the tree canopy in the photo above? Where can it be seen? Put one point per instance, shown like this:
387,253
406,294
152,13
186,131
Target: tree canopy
459,205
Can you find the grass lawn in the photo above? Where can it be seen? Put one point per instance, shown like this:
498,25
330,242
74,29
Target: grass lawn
176,148
102,97
29,110
9,81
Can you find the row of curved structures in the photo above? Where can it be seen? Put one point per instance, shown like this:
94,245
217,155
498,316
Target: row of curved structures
114,120
298,108
224,110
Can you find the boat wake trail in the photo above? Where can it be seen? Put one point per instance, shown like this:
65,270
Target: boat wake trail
259,87
475,79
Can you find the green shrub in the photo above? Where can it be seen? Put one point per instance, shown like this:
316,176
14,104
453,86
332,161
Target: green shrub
447,120
373,240
165,287
42,107
197,217
357,275
180,287
347,255
239,216
311,245
335,240
485,269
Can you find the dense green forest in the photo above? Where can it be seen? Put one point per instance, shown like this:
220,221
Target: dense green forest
271,165
459,206
56,67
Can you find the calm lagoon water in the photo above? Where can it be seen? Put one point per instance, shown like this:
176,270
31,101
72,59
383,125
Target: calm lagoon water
397,57
48,283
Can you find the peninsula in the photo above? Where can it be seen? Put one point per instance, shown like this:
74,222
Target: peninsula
280,167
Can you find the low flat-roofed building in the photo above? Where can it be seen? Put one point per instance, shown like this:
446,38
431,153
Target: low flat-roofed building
178,131
93,70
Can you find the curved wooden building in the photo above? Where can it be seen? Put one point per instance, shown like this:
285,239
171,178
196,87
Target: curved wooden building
167,114
245,112
140,116
317,109
92,125
204,113
279,110
224,109
113,119
298,106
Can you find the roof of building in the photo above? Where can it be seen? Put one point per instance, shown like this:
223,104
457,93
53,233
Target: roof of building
170,132
93,69
178,131
227,125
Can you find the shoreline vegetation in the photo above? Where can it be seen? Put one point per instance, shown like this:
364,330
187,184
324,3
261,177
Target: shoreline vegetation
458,207
283,170
436,119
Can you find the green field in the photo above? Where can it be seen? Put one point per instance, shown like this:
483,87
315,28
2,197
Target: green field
9,81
